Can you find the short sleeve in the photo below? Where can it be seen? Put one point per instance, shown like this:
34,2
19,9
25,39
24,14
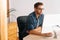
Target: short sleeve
30,25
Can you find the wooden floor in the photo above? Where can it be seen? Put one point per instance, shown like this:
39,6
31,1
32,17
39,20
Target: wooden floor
12,31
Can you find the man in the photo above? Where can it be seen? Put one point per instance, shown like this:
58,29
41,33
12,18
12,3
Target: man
35,21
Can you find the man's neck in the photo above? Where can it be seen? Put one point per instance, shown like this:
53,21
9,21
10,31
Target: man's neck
37,15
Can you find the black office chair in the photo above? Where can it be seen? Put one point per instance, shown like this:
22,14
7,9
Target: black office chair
21,22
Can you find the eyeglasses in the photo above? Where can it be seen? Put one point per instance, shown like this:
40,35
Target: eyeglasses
40,8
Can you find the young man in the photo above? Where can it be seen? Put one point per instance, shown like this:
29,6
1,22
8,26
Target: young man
35,21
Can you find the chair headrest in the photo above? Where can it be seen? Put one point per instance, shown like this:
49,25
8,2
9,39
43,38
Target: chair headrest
22,18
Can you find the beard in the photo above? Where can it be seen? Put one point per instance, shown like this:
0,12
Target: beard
39,13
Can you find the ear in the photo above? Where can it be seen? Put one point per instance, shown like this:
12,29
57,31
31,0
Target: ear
35,9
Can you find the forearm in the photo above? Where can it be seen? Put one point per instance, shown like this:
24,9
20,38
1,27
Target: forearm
36,31
40,34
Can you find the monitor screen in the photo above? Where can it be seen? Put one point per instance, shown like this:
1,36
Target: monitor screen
51,22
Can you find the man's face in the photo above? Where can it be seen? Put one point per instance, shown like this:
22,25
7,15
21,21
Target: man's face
39,9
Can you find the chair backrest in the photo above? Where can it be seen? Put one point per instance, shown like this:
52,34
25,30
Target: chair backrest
21,22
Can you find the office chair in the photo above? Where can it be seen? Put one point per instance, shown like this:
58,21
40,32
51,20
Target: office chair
21,22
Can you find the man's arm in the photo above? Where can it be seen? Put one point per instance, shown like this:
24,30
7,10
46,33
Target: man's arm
37,31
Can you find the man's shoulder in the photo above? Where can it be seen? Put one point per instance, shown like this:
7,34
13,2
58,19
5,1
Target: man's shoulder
31,14
42,14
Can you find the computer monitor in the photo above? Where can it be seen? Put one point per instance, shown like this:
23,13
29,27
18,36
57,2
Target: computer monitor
51,22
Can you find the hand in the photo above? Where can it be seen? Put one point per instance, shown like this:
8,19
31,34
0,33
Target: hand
47,34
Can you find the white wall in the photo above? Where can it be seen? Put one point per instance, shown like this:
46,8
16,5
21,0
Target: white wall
52,6
25,7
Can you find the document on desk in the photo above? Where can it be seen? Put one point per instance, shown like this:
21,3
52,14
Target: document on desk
50,22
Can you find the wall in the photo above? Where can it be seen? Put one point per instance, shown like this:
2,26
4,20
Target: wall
25,7
52,6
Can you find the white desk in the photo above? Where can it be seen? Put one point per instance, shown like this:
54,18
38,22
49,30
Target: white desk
35,37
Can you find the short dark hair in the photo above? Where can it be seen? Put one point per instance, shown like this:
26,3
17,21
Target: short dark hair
37,4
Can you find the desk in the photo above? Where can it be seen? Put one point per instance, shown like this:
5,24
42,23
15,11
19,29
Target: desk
35,37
